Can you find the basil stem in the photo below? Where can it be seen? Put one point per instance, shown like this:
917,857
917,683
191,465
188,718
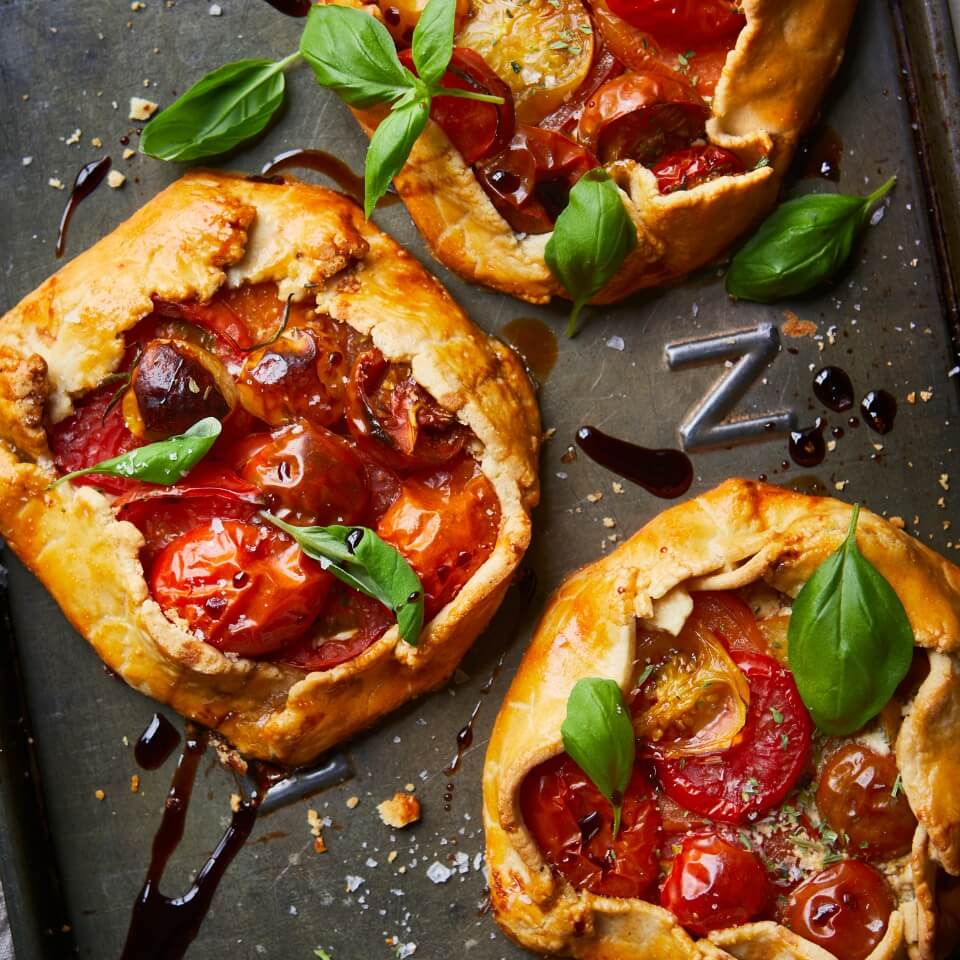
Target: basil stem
362,560
165,462
803,243
598,735
849,640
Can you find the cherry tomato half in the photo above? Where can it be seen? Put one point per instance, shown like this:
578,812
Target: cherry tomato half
723,613
683,23
686,169
529,183
241,587
565,118
216,316
642,116
844,909
714,884
757,773
572,824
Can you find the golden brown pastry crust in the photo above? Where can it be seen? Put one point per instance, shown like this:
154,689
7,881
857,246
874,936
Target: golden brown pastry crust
737,534
771,85
205,230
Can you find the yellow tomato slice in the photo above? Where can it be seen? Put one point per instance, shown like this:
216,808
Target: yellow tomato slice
401,16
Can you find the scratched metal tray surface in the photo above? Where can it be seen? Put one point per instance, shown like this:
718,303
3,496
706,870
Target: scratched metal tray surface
71,864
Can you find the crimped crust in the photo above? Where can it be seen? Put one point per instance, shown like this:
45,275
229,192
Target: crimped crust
737,534
205,230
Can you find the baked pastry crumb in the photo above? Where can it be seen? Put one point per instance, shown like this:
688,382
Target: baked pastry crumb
400,811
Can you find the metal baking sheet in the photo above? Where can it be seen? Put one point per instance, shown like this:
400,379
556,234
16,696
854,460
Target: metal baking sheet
72,865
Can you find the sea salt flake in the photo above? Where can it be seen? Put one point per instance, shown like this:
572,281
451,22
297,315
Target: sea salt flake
438,873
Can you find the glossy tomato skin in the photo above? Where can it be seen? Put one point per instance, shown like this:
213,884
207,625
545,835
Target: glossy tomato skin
683,23
756,774
726,615
844,909
572,824
857,796
714,884
689,168
565,118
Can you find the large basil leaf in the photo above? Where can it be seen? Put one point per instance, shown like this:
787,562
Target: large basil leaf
433,40
390,146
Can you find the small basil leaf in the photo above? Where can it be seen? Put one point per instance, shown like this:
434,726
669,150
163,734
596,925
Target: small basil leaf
598,734
231,104
433,40
390,146
354,55
165,462
849,641
591,239
365,562
803,243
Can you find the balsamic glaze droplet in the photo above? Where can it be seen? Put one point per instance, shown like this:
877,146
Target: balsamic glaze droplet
833,388
589,825
353,539
87,180
664,473
292,8
330,166
535,342
879,409
156,743
806,446
414,597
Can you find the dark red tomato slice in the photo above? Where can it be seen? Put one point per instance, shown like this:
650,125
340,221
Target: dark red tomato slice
757,773
88,436
857,796
384,486
476,129
394,420
209,478
529,183
686,169
350,622
565,118
714,884
241,587
445,524
844,909
727,616
572,824
683,23
216,316
642,116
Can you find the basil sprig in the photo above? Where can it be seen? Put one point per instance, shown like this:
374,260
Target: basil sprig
362,560
803,243
353,54
591,239
598,734
165,462
849,641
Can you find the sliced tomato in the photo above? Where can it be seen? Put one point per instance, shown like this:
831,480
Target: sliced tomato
724,614
572,824
476,129
216,316
844,909
642,116
209,478
565,118
693,23
529,183
239,586
757,773
686,169
714,884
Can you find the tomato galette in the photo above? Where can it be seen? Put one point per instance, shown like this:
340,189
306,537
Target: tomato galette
732,737
694,108
300,478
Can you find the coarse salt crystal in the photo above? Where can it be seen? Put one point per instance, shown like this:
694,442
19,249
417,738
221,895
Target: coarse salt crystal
438,873
354,883
616,343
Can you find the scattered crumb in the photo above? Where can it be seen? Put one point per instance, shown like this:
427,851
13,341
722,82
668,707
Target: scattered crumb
410,788
116,179
141,109
26,161
831,445
96,142
352,802
56,183
391,856
549,433
137,5
128,153
793,326
897,522
840,484
99,794
235,801
912,397
926,395
316,831
595,497
73,138
215,10
944,481
617,487
399,812
609,522
134,782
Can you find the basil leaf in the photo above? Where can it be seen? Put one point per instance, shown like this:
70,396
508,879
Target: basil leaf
598,734
803,243
433,40
353,54
358,557
849,641
229,105
165,462
389,148
591,239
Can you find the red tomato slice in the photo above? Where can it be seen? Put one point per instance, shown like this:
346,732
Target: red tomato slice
215,316
686,169
726,615
476,129
693,23
209,478
844,909
241,587
714,884
565,118
572,824
757,773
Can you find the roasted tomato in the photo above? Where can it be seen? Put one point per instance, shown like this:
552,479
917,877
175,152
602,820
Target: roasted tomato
395,420
686,169
771,752
217,317
241,587
475,129
859,797
541,49
683,23
308,474
402,16
445,524
642,116
724,614
844,909
529,183
713,884
572,824
566,117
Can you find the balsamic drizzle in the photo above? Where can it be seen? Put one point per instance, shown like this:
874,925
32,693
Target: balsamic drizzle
156,743
327,164
87,180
